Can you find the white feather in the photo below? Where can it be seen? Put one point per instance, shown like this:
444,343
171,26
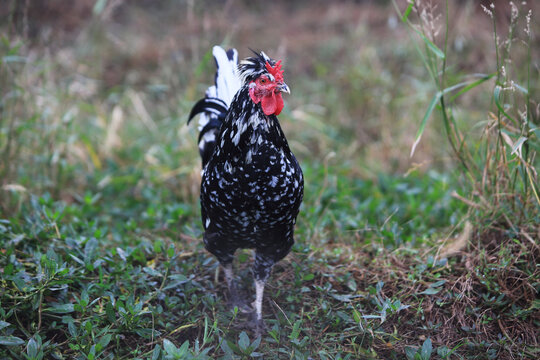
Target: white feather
204,118
207,137
227,85
227,80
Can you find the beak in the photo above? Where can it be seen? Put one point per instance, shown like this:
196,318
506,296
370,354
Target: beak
284,88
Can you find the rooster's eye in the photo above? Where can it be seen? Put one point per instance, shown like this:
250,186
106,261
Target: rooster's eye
263,80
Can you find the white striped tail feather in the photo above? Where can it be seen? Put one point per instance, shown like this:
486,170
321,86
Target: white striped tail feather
227,80
214,106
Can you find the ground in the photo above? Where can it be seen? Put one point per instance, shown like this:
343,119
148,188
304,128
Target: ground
429,256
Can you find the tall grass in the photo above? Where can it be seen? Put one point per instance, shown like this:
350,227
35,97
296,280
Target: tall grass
500,169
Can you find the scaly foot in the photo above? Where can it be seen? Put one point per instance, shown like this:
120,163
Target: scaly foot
236,300
257,325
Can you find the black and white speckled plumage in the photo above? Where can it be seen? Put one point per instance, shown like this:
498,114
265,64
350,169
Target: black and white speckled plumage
251,188
252,185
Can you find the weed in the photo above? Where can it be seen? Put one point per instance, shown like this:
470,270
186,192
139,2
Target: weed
99,219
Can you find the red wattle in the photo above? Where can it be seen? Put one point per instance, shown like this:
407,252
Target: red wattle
268,104
272,104
279,104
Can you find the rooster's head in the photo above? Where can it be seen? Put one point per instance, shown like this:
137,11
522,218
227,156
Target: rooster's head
264,79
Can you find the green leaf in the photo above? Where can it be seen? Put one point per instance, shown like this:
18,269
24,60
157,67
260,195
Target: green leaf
156,352
344,298
8,270
431,106
77,259
105,340
88,327
109,311
4,324
243,340
372,316
157,247
184,348
438,283
295,331
85,299
11,340
255,344
169,347
229,347
410,352
151,272
356,316
176,280
430,291
90,250
61,309
443,351
427,347
309,277
72,329
170,251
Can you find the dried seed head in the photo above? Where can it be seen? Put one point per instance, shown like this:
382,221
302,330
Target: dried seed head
528,26
431,19
487,11
514,12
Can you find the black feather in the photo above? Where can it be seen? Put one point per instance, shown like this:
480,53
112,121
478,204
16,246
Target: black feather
214,123
211,105
252,185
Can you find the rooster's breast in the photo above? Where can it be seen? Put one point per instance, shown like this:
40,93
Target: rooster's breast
254,192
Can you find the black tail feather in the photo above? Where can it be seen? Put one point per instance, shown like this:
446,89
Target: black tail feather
211,105
214,123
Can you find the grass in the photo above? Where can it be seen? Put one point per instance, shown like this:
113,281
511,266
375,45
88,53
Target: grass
81,280
433,257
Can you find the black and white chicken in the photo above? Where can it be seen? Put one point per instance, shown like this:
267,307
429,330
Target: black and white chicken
252,185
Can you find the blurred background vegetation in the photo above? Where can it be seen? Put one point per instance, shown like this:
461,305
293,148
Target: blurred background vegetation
94,98
96,93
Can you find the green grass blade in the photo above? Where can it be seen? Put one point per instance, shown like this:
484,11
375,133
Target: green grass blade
431,46
438,52
431,106
521,88
405,15
472,85
517,146
497,97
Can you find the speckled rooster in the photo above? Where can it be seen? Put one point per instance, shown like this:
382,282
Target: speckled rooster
252,185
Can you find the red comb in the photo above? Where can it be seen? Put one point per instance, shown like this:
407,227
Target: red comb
275,71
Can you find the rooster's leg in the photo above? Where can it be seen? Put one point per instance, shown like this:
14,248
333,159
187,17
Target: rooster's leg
259,290
261,272
259,325
236,300
213,242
